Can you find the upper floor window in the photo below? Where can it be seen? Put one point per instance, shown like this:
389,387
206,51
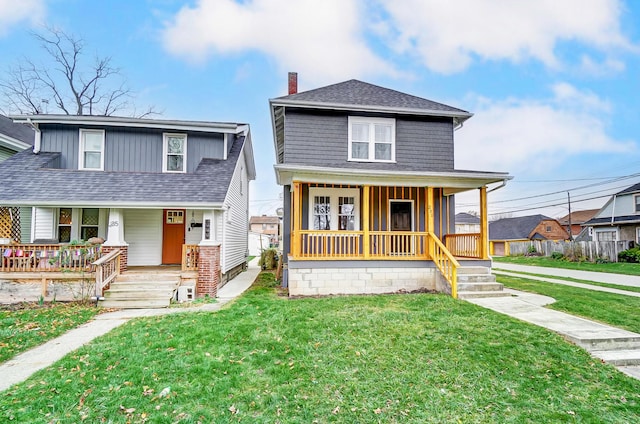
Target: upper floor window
174,153
372,139
636,200
91,150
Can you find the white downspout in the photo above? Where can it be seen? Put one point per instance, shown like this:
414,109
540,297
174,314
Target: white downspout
613,209
37,142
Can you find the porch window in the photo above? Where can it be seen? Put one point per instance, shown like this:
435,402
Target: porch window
372,139
64,225
89,223
334,209
91,150
174,153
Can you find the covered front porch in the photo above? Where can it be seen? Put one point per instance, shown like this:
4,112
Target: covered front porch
402,235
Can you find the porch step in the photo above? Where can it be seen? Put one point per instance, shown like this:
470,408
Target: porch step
479,294
608,343
477,281
142,289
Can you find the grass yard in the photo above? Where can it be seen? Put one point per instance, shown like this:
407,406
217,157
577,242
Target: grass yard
359,359
26,325
545,261
576,280
613,309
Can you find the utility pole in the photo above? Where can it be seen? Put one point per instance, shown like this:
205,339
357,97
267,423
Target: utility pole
569,201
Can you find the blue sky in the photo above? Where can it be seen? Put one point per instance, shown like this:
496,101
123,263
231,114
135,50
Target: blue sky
553,85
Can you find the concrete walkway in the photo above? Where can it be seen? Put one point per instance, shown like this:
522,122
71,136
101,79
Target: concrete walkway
618,347
24,365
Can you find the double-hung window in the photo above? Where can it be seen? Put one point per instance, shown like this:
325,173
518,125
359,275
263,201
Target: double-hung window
636,201
372,139
174,153
91,150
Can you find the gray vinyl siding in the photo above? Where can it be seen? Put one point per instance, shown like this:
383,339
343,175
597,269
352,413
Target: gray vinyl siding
422,144
129,149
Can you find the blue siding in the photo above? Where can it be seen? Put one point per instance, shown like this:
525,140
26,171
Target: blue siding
129,149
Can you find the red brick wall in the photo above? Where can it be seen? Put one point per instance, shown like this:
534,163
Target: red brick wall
208,271
124,255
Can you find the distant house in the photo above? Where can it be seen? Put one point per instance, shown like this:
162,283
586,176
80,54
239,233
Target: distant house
576,219
264,224
369,191
467,223
524,228
160,192
619,218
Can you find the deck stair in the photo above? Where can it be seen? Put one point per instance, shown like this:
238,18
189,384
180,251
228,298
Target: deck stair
141,289
477,281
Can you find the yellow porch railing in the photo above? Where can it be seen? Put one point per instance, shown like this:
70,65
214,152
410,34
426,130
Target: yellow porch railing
330,245
398,245
445,262
463,245
190,257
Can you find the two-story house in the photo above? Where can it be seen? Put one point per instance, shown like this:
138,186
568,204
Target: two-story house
265,224
619,218
162,192
369,184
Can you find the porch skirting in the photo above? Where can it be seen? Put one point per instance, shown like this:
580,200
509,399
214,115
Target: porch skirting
307,278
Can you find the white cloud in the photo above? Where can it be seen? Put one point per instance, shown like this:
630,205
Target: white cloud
447,36
13,12
322,40
525,136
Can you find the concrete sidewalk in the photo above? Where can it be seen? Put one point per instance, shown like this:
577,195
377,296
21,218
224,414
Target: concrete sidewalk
24,365
600,277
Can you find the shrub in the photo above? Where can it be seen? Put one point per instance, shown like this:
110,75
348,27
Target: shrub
630,255
557,256
269,259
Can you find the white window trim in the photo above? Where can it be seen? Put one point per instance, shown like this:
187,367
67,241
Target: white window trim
637,235
371,122
165,149
413,218
635,202
81,150
334,194
606,230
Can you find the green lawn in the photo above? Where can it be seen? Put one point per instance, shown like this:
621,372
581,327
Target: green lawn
27,325
354,359
576,280
613,309
545,261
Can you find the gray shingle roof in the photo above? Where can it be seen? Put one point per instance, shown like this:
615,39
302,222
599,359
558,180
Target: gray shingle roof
19,132
466,218
355,93
627,219
26,180
514,228
634,188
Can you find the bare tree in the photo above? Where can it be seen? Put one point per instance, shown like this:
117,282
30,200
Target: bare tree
69,84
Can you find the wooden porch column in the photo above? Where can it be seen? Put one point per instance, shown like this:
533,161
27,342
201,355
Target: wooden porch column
296,202
430,222
484,225
366,243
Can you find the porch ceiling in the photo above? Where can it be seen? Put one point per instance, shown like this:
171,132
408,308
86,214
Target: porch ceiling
454,182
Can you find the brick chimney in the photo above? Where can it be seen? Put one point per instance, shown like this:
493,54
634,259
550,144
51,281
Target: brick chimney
293,82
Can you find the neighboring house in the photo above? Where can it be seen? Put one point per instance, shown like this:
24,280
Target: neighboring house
523,228
13,139
258,242
467,223
619,218
576,219
264,224
369,184
157,190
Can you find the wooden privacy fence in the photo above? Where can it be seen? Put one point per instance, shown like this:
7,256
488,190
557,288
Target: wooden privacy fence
588,250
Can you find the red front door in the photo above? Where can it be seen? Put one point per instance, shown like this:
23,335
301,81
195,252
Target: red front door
172,236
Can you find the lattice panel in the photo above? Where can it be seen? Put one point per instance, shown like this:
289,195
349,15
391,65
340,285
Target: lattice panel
10,223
